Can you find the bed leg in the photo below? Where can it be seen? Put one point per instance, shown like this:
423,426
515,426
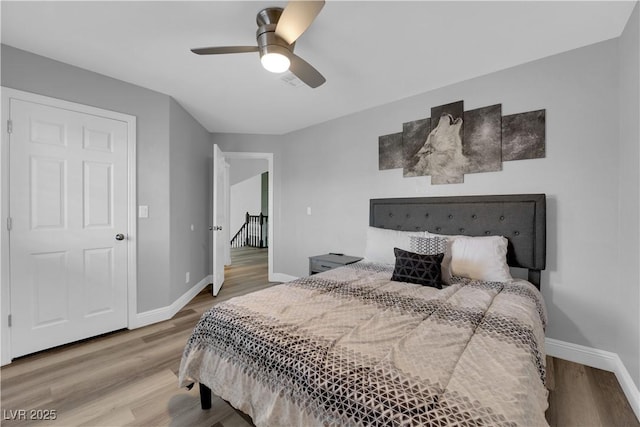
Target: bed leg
205,396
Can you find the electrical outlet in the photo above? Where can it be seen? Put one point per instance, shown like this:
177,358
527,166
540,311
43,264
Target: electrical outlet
187,277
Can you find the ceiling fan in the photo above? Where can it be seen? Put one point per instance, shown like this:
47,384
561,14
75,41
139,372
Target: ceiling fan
278,30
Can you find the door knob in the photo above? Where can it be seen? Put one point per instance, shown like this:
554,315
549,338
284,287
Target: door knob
217,228
119,236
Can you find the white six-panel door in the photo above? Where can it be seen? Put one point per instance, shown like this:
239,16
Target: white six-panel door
69,210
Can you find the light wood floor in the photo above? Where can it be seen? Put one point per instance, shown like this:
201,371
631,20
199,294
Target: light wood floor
129,378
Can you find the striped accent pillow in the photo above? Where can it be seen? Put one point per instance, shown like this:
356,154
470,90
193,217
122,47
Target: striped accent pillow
428,245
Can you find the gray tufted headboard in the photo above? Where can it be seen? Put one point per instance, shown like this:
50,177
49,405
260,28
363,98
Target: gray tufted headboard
521,218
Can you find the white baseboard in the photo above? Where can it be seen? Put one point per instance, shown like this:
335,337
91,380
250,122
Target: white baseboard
281,277
600,359
166,313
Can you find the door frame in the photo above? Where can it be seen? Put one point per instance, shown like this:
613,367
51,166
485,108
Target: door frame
5,277
237,155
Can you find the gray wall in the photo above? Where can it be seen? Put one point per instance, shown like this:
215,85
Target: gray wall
191,158
628,293
155,113
333,168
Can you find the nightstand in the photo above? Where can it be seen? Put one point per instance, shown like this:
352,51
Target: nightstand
326,262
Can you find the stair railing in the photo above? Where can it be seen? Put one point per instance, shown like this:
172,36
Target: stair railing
252,233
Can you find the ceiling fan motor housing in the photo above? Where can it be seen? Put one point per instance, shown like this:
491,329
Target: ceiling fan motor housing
268,41
269,15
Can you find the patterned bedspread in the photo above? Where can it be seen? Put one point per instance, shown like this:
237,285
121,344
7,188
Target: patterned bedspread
351,347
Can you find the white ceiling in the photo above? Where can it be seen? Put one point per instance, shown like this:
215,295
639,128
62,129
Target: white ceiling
371,53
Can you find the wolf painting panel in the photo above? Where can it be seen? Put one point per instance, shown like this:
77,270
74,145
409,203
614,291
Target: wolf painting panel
483,139
390,151
414,135
441,155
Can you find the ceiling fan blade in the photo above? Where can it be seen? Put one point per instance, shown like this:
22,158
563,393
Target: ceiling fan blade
296,18
224,49
305,72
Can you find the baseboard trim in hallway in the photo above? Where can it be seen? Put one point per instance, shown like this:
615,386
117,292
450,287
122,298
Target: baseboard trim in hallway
165,313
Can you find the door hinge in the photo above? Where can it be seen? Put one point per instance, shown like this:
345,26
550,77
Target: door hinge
9,320
9,223
9,126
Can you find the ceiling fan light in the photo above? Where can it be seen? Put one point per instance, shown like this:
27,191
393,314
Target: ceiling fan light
275,62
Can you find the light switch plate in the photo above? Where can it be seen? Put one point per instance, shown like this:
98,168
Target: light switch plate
143,211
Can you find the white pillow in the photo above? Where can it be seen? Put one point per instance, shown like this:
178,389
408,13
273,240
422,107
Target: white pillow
480,258
381,241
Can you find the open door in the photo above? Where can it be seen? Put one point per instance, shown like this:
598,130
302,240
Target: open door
220,176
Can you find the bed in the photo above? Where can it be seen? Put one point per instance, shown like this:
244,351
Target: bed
351,347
